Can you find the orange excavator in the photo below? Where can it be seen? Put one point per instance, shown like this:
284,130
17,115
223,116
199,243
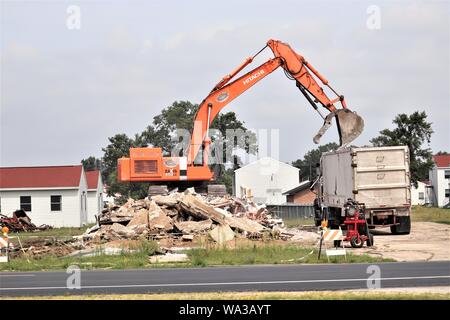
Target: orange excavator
149,164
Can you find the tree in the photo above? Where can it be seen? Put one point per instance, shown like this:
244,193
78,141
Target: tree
119,146
91,163
226,178
441,153
180,115
308,164
412,131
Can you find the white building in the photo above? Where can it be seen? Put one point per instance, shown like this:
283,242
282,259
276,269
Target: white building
440,180
422,194
268,179
94,195
54,195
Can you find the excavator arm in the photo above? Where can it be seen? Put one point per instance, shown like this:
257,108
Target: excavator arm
149,164
350,125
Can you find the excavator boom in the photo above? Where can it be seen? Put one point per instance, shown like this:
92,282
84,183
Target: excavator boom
148,164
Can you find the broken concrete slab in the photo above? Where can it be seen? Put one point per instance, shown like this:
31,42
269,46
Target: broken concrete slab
194,226
160,220
199,209
222,234
223,212
169,258
244,224
92,229
141,230
92,252
140,217
122,231
169,201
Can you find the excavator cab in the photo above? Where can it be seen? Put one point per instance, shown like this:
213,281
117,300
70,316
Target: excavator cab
349,124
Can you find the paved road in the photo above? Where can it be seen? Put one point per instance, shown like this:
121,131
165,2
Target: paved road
243,278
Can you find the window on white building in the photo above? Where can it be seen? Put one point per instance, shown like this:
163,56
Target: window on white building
421,196
447,174
447,193
55,203
25,203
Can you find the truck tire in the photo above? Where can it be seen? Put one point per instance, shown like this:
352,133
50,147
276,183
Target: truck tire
404,226
356,242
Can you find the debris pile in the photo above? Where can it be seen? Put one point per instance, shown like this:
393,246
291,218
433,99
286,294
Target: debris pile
40,247
184,216
20,222
174,220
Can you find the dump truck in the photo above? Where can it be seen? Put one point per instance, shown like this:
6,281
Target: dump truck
378,178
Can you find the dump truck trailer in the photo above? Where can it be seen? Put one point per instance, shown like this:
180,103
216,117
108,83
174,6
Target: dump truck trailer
378,178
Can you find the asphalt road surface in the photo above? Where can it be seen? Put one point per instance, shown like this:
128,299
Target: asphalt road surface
241,278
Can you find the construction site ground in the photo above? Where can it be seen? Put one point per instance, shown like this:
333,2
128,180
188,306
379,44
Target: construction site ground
428,241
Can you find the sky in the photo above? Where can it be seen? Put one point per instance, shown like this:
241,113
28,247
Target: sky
66,87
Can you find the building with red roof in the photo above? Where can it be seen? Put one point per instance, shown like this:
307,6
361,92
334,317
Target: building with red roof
440,180
53,195
94,194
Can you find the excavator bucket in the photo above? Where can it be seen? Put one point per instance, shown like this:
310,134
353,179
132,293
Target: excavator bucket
350,126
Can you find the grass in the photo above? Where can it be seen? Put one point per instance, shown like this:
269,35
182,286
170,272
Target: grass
305,295
243,255
430,214
269,254
125,260
291,223
55,232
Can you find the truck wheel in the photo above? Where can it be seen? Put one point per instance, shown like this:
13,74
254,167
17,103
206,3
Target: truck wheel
404,226
369,241
356,242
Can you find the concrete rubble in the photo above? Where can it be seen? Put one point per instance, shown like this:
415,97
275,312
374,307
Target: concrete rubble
184,216
175,219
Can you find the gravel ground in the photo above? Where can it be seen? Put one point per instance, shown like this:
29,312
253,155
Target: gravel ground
427,241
